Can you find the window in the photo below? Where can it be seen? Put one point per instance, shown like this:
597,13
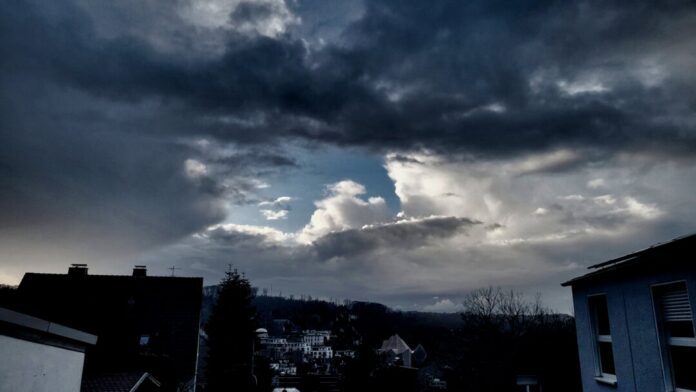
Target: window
599,313
677,329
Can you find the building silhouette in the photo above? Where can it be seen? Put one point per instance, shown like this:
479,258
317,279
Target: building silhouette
145,324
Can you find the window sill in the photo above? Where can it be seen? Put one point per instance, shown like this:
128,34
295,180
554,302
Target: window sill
611,381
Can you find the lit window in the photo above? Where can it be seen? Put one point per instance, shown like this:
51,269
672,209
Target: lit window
599,313
677,330
144,340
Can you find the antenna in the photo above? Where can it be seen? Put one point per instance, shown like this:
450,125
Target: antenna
173,269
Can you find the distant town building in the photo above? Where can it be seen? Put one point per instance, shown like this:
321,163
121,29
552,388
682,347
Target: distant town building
395,351
635,320
262,333
284,368
437,384
40,356
321,352
344,353
145,324
297,348
316,338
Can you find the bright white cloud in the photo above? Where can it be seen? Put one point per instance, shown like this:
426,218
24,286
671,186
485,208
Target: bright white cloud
575,197
496,193
278,201
444,305
582,86
268,234
550,161
274,215
343,209
194,168
605,200
596,183
645,211
269,18
541,211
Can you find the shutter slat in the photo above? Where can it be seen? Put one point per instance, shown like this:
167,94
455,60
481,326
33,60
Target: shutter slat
676,306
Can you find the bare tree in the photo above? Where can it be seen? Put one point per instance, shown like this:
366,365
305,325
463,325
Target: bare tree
505,334
506,311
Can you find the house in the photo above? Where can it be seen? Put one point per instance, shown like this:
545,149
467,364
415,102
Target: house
321,352
635,320
40,356
316,338
146,324
395,351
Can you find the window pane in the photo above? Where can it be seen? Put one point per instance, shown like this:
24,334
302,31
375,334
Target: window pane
601,314
606,358
683,366
679,329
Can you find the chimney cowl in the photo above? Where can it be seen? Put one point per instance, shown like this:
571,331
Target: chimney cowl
140,270
77,270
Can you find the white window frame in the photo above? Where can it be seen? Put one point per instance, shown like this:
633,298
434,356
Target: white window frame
667,341
600,375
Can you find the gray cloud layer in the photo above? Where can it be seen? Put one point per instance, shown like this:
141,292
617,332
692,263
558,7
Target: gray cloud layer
103,106
402,235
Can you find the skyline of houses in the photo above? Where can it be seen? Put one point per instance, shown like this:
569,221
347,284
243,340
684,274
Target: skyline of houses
634,317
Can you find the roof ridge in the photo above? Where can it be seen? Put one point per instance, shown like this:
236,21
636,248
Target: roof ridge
113,276
639,252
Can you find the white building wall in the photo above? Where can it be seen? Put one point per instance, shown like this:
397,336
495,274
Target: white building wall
32,367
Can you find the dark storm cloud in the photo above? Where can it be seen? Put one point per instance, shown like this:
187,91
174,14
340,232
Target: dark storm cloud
236,239
249,11
349,243
403,235
407,74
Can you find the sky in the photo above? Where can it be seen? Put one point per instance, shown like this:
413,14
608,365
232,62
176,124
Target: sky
405,152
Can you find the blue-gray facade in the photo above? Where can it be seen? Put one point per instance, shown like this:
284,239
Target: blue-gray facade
637,336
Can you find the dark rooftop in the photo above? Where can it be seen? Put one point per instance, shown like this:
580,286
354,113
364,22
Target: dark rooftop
675,246
33,323
144,323
118,382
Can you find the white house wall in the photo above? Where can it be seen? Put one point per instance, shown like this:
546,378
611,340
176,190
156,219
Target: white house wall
32,367
634,333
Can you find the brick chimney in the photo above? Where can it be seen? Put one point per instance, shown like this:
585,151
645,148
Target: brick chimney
140,270
77,270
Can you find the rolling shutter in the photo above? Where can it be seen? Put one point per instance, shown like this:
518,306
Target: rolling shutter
675,305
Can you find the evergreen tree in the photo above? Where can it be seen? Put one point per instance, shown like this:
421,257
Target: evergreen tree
231,333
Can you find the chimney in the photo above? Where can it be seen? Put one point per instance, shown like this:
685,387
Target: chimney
77,270
140,270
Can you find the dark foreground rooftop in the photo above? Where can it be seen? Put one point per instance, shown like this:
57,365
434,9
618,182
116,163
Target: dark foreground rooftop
144,323
660,255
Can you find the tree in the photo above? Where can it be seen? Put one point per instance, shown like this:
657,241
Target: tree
231,334
505,335
8,296
506,312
